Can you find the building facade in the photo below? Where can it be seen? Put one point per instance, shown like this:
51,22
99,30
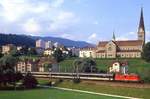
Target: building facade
27,66
40,44
7,48
49,44
48,52
87,52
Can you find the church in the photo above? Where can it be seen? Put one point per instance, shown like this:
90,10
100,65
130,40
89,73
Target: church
118,48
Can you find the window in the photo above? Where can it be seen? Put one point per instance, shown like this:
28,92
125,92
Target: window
109,48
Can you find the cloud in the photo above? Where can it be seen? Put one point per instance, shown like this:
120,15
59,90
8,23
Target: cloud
127,36
93,38
32,16
57,3
96,22
62,21
31,26
68,36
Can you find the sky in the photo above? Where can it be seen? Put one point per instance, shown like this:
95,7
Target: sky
83,20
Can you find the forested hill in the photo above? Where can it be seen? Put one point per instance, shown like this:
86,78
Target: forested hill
30,40
16,39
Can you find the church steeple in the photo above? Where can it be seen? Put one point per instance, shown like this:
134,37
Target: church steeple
113,38
141,28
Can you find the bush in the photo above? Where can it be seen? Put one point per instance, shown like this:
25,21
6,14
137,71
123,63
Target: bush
60,80
76,80
18,76
146,52
146,76
29,81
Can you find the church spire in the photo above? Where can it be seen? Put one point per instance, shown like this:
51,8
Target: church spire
141,24
141,28
113,38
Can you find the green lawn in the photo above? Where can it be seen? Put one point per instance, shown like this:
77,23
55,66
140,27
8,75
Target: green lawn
104,88
124,91
49,94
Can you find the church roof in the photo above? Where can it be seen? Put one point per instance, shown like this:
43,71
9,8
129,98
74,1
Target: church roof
122,43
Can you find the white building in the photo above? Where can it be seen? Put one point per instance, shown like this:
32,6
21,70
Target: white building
26,66
57,45
48,52
40,43
7,48
119,67
87,52
19,48
49,44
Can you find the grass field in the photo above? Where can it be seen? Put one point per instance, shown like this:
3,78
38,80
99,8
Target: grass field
105,88
49,94
138,66
124,91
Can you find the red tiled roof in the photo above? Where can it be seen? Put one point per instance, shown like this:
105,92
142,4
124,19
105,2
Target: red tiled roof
122,43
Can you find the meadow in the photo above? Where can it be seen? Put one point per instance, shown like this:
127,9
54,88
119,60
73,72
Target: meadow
49,93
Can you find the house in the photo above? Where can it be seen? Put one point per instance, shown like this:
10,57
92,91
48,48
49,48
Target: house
19,48
45,60
7,48
27,66
48,52
74,51
87,52
119,67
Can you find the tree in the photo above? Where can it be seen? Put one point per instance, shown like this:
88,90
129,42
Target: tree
8,62
146,52
7,72
58,55
18,76
85,65
1,55
32,51
29,81
89,65
69,54
24,50
47,66
77,64
14,52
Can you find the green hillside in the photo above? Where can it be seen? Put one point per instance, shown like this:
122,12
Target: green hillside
18,40
138,66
